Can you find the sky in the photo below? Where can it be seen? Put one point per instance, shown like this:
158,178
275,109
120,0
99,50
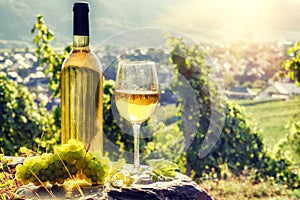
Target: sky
254,20
214,20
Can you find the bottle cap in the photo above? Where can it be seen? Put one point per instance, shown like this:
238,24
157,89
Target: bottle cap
81,7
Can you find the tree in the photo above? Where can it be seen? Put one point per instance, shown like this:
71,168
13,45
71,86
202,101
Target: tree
193,70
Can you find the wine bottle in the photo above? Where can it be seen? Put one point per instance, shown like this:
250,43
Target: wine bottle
82,87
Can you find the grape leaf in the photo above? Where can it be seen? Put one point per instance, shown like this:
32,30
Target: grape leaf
162,170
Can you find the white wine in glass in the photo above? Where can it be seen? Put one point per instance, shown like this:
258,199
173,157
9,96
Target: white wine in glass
136,96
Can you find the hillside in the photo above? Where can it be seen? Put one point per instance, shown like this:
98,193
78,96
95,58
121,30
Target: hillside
273,117
21,15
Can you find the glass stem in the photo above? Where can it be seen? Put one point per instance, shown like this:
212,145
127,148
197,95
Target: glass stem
136,135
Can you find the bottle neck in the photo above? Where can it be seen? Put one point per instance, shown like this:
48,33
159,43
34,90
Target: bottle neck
81,25
81,41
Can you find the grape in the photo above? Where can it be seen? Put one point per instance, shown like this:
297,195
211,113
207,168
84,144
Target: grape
26,176
21,169
57,164
43,178
25,182
128,180
19,176
88,157
79,165
95,179
60,180
44,165
119,176
87,171
36,167
28,161
65,175
92,164
51,167
120,179
57,173
52,179
32,179
77,155
72,169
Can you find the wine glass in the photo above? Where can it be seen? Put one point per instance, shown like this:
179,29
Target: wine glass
136,96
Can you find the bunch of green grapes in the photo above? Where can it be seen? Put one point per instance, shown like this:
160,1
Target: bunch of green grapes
69,161
120,179
118,176
41,169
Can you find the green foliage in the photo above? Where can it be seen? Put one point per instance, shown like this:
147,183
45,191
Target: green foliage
293,138
21,121
289,146
53,59
283,171
47,55
292,65
240,145
167,144
286,166
241,148
112,128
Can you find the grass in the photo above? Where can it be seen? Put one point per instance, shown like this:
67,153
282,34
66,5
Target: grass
243,188
8,183
273,117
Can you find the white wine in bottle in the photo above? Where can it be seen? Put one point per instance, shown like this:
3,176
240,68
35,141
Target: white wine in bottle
82,87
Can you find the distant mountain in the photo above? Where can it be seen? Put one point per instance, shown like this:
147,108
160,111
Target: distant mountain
18,17
106,19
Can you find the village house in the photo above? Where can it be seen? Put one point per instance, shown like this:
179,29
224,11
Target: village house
280,90
240,93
